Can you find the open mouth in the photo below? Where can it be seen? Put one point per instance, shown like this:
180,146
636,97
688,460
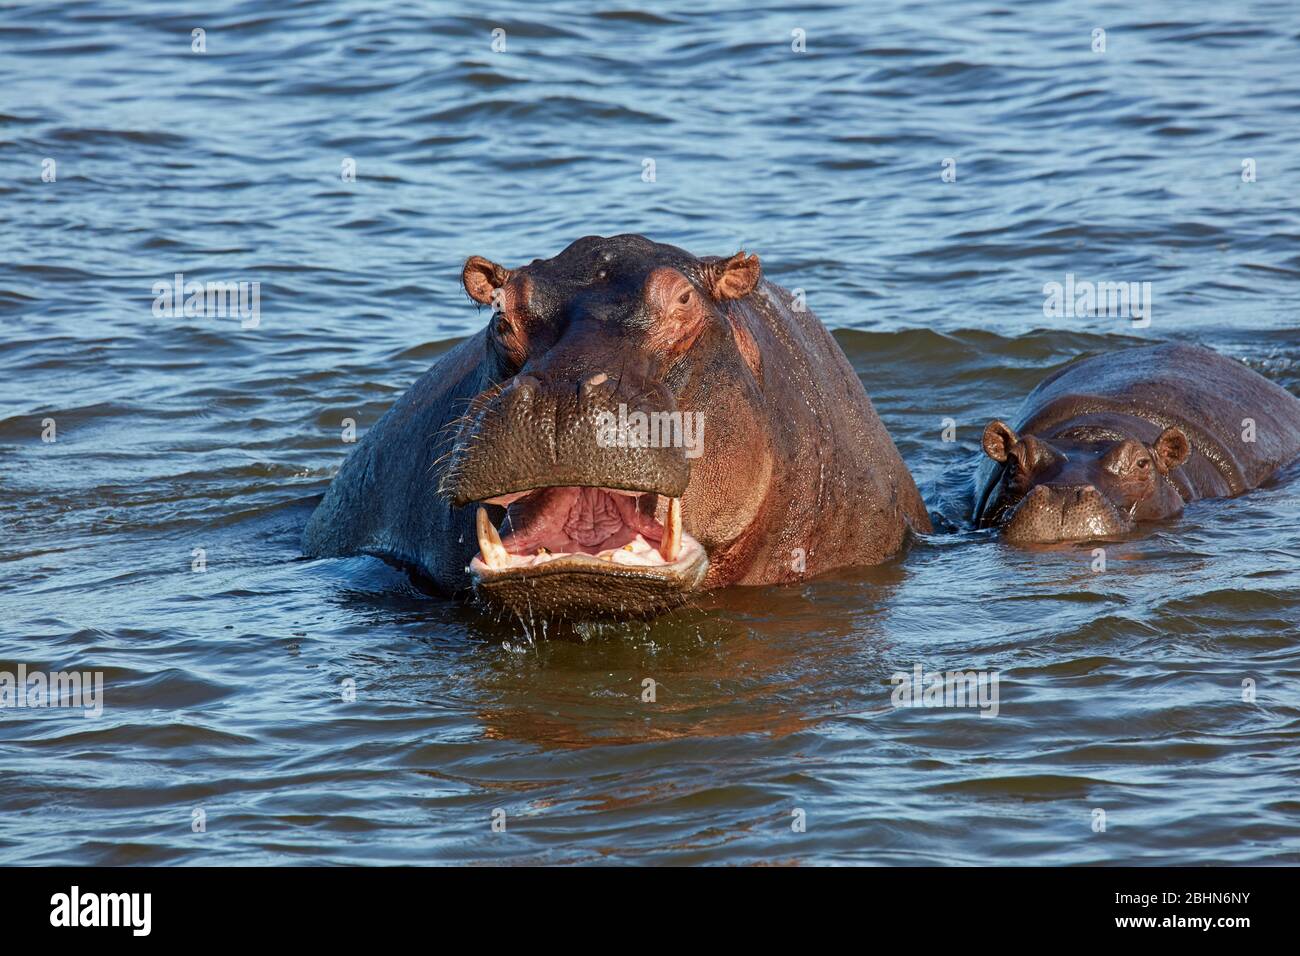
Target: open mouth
573,529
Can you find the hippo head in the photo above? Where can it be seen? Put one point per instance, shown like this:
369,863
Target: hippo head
586,453
1083,484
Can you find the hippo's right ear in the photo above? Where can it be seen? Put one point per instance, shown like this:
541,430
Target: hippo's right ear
1172,449
999,439
482,277
733,278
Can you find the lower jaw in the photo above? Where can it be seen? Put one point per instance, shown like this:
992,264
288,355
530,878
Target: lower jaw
583,589
612,557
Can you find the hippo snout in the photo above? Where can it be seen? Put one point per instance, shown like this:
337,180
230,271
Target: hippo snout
1050,514
546,430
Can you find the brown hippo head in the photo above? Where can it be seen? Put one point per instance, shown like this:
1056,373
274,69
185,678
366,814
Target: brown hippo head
1081,484
586,449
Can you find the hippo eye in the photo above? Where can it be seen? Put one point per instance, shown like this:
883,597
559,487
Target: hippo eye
1144,463
684,297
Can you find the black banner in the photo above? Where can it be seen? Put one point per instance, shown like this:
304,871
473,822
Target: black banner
212,906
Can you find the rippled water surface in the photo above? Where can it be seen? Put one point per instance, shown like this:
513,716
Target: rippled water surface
1120,691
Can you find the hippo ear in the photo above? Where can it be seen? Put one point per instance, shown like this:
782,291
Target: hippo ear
999,439
482,277
1172,449
732,278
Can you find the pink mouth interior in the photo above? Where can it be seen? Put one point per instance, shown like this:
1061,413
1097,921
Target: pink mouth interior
573,520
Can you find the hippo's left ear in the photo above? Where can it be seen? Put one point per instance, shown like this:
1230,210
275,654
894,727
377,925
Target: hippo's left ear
998,440
733,278
482,277
1172,449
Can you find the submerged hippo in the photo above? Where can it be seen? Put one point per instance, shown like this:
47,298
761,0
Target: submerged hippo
1132,436
634,424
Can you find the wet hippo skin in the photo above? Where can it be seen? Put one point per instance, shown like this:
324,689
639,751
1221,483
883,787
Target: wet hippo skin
498,470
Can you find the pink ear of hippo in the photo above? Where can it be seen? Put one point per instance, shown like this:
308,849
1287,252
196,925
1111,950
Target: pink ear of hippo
733,278
1172,448
481,277
999,438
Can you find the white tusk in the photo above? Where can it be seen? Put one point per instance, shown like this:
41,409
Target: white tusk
671,543
489,542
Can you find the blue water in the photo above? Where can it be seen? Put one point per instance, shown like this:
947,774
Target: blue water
1121,691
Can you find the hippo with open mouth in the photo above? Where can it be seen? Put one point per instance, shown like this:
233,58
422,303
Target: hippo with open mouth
1131,436
633,425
